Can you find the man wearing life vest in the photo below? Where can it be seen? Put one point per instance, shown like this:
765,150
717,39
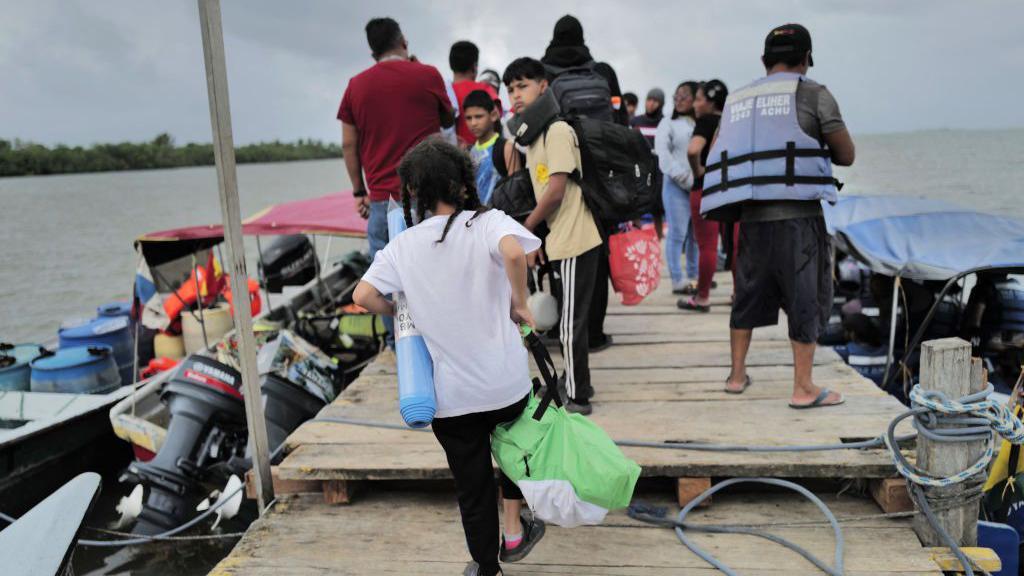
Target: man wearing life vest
770,167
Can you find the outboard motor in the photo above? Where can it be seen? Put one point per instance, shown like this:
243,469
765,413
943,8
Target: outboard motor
288,261
207,425
208,431
286,405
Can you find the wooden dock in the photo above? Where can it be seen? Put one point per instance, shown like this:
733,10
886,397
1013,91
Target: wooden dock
662,381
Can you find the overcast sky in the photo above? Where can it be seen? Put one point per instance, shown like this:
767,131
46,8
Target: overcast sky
84,71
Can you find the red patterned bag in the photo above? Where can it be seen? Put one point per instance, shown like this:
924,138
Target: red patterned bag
635,263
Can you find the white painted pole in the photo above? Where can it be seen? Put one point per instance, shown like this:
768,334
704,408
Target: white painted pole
224,153
890,359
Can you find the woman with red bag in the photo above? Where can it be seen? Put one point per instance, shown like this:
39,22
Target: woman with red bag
708,105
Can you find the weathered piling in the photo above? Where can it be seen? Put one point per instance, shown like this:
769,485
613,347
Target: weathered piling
947,367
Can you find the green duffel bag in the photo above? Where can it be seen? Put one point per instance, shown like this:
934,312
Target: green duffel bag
570,472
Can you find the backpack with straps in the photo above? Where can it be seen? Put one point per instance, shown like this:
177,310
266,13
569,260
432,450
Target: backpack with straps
620,172
582,91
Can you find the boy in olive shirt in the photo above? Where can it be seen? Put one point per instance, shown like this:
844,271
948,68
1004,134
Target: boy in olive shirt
573,243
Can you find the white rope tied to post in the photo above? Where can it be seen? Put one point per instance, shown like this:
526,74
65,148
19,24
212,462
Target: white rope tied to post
982,417
976,418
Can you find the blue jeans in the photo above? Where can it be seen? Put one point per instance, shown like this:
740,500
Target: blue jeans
377,234
680,236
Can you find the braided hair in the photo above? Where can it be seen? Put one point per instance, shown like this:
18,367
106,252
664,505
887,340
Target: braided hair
436,171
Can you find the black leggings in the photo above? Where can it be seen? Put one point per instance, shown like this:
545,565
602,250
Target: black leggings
466,441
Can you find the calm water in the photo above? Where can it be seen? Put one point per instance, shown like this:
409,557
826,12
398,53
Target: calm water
68,239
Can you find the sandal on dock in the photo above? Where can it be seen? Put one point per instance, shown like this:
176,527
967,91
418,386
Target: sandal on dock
746,384
819,402
691,304
687,290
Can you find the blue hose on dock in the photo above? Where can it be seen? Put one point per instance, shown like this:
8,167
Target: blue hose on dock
981,416
681,527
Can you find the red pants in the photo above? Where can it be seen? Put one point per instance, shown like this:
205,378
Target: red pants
706,233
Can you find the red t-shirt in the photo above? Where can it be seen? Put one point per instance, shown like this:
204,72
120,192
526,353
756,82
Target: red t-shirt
394,104
462,89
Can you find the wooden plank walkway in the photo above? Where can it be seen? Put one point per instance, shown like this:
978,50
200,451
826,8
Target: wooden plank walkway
420,534
661,381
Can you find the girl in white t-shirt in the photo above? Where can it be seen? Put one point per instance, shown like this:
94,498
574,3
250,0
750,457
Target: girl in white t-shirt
463,272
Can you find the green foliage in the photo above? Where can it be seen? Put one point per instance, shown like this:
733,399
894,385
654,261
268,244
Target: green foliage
20,158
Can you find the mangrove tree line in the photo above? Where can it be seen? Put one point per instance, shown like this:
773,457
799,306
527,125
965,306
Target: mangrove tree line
20,158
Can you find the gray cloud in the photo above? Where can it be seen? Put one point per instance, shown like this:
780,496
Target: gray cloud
81,71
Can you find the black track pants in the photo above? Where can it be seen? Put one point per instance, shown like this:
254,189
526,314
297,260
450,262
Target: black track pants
599,308
579,279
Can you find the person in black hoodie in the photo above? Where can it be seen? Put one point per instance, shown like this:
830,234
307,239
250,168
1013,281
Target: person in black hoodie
567,50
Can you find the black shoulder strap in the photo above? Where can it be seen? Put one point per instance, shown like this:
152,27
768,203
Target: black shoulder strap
498,156
1011,470
547,371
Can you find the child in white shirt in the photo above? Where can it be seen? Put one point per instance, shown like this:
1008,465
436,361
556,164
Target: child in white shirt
463,272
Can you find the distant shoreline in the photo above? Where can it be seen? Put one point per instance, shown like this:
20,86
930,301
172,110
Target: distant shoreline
19,158
162,154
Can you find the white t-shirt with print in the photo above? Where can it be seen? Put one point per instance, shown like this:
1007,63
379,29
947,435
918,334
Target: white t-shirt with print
460,298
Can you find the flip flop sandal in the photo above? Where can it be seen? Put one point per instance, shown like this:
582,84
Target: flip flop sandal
688,290
819,402
690,304
746,384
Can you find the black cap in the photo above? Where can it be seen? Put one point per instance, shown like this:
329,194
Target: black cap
787,39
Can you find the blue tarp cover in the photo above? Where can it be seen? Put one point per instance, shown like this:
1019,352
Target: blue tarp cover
923,239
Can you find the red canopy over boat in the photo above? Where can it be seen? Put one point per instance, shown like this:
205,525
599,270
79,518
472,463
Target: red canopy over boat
330,215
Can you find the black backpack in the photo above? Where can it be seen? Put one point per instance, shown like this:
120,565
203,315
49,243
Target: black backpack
620,172
581,91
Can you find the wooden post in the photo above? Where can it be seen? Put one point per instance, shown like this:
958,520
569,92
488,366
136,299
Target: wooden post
946,366
689,488
224,154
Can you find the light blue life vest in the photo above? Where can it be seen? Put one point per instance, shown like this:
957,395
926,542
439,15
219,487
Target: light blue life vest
762,153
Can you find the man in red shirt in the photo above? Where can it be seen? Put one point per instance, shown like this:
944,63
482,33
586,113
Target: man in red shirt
463,59
386,110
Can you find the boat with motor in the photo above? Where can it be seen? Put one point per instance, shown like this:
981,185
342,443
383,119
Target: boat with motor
187,425
59,401
901,278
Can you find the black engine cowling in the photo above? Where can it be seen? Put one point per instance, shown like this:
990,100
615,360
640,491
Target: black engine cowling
207,429
207,425
288,261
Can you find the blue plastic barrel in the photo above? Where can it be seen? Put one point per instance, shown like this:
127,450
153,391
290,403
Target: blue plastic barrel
113,331
416,398
18,376
78,370
114,309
